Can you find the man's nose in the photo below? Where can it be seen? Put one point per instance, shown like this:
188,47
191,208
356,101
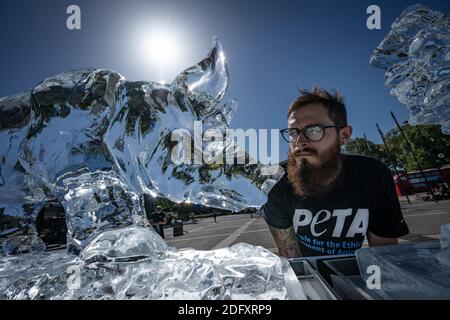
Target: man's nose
301,141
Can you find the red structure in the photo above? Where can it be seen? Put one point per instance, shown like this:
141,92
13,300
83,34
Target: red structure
413,182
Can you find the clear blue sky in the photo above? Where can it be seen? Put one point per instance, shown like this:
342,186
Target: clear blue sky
272,48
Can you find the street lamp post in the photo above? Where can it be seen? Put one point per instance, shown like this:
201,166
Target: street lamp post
391,157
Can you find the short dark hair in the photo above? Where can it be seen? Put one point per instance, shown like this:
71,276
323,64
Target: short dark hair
332,101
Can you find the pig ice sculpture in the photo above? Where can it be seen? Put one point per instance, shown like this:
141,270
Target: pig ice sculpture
96,142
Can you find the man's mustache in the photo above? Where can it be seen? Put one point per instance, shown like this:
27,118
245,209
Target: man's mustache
297,152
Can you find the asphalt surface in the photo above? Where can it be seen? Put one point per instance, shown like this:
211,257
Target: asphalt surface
228,230
424,220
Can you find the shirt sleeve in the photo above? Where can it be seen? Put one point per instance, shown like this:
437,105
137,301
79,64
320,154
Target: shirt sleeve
386,218
276,210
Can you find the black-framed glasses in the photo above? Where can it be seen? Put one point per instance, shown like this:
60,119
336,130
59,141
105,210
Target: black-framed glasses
314,132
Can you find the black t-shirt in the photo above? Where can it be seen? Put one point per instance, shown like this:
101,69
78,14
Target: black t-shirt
362,199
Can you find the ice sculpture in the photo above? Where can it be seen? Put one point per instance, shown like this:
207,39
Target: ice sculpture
135,263
409,271
416,56
445,236
96,142
444,255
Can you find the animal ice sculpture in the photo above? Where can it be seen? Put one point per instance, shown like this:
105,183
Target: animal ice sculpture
96,142
416,56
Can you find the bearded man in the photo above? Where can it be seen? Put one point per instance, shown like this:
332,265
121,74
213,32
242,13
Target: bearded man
327,202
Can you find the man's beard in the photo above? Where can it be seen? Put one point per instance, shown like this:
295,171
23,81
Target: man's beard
314,181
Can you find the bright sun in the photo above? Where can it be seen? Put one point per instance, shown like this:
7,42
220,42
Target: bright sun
162,48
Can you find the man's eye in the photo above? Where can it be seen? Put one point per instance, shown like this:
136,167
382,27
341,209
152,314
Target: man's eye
314,129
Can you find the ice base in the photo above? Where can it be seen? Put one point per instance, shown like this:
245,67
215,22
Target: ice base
135,263
409,271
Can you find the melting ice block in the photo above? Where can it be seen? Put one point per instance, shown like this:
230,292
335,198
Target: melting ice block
135,263
445,236
409,271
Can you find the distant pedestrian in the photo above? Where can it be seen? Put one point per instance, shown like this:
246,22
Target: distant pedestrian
158,220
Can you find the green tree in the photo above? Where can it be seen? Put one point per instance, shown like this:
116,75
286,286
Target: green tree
166,204
431,147
367,148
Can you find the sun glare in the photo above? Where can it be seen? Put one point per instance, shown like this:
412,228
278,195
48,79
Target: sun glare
162,48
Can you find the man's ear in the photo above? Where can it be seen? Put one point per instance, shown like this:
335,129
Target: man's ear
345,134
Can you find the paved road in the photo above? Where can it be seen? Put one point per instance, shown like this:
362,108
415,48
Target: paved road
424,220
207,235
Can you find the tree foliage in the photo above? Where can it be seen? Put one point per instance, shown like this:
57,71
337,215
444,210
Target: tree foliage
430,146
